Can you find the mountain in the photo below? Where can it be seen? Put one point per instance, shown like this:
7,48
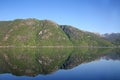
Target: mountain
33,32
79,37
113,37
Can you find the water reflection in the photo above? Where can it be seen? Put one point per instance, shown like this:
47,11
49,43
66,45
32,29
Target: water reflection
34,61
80,56
31,62
113,55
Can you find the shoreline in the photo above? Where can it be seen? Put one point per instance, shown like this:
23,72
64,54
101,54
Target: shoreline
58,47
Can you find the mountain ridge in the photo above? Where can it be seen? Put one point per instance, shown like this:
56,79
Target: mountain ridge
113,38
34,32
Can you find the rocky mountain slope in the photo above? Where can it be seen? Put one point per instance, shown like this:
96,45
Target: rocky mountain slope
113,37
79,37
33,32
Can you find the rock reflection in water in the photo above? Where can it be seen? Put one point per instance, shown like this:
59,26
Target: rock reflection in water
34,61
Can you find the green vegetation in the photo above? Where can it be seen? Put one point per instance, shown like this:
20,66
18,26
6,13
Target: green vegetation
84,38
114,38
33,32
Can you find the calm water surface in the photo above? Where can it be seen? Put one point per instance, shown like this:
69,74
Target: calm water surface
59,64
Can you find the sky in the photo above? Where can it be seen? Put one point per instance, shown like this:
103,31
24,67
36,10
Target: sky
102,16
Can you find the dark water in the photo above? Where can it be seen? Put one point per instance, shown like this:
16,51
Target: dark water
59,64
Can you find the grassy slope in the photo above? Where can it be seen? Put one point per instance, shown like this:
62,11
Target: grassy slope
32,32
82,38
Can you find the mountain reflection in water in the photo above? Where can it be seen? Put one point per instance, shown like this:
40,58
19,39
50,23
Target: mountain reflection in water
31,62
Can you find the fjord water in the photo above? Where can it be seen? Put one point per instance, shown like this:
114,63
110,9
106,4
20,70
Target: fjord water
59,64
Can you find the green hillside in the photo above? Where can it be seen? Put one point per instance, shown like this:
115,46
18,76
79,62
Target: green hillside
113,38
33,32
84,38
